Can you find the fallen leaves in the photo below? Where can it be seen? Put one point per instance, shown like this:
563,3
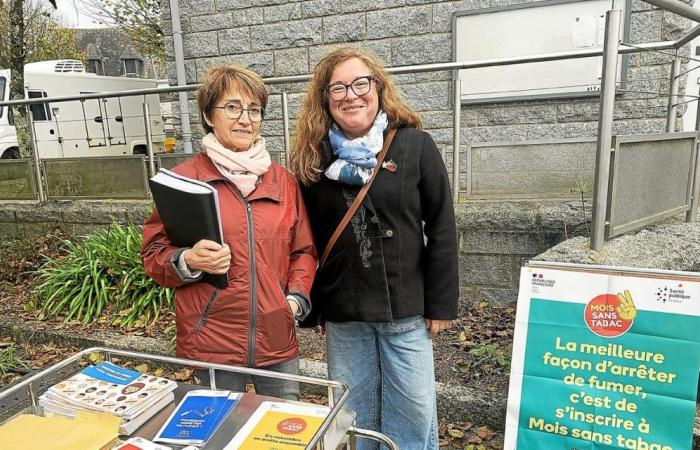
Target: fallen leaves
465,436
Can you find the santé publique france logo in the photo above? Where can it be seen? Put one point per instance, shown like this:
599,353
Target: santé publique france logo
609,315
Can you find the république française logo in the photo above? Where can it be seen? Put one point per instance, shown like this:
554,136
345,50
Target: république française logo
609,315
538,279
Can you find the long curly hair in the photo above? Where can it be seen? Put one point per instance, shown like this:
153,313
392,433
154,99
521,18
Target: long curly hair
315,118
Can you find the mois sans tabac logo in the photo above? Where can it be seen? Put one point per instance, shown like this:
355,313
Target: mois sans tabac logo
609,315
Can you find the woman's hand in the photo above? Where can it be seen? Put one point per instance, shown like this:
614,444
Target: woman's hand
209,257
436,326
294,306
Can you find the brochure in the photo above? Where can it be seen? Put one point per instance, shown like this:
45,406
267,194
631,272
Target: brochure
279,426
197,417
109,388
127,426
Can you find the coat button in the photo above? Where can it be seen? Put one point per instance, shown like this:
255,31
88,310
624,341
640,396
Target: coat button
389,233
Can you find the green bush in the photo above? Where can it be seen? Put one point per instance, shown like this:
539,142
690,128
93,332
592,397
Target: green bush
102,273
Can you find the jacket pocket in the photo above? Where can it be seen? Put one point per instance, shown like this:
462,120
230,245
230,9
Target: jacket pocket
207,308
275,321
289,307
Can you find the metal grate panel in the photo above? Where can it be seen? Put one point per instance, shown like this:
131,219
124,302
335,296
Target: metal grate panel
17,180
171,160
531,169
651,179
98,177
69,65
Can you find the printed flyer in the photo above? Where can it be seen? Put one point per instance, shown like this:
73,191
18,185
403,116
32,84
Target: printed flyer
604,358
279,426
197,417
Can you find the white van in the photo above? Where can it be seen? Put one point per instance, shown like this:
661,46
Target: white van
8,137
100,127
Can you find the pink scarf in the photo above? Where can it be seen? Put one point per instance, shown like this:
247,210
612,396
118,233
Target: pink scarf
241,168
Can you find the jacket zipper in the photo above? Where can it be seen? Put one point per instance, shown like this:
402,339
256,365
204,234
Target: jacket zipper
203,318
253,283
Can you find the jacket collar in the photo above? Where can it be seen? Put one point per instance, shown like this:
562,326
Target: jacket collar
267,187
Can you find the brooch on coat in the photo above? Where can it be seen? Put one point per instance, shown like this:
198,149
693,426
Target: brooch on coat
390,166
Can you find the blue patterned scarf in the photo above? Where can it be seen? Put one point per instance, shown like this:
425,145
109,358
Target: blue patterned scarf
356,157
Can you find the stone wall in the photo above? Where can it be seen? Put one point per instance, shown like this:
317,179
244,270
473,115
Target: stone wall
494,237
29,220
288,37
670,245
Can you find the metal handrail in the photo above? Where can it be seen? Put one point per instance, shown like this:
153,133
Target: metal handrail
374,436
419,68
677,7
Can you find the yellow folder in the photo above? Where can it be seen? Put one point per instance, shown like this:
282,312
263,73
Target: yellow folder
88,431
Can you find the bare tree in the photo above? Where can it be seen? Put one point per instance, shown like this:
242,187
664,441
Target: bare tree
140,20
33,36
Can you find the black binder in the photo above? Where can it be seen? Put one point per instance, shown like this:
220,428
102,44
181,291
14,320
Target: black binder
189,210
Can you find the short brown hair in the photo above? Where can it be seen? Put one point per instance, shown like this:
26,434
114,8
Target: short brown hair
220,79
315,118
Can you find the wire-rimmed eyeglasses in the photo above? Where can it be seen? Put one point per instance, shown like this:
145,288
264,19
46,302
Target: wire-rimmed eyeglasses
360,86
234,110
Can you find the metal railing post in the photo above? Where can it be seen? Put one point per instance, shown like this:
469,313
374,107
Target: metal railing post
285,125
149,139
692,215
457,112
673,96
35,154
605,119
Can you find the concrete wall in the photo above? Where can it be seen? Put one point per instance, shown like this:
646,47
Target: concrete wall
670,245
494,237
29,220
286,37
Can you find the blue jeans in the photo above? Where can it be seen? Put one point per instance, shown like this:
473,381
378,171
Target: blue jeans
389,370
273,387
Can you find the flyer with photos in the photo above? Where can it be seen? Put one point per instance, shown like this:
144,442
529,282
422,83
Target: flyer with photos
604,358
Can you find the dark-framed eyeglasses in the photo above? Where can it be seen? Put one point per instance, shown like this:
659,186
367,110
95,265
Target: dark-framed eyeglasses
360,86
234,110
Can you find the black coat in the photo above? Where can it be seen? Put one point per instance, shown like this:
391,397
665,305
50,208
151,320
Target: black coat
381,267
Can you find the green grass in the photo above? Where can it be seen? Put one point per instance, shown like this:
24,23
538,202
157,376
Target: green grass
493,354
8,360
101,273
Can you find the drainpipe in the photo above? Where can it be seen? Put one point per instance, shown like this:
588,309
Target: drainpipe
181,78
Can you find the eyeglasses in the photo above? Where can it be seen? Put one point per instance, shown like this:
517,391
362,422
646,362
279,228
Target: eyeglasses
234,110
360,86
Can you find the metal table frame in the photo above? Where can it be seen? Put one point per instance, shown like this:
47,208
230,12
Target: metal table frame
317,442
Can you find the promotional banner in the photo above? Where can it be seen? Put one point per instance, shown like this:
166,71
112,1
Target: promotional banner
604,358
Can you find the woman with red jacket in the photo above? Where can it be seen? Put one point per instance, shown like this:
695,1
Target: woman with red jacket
268,250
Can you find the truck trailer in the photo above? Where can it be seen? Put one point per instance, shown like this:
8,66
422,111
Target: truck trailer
82,128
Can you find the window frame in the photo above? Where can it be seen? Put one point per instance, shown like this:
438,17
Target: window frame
135,62
31,94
